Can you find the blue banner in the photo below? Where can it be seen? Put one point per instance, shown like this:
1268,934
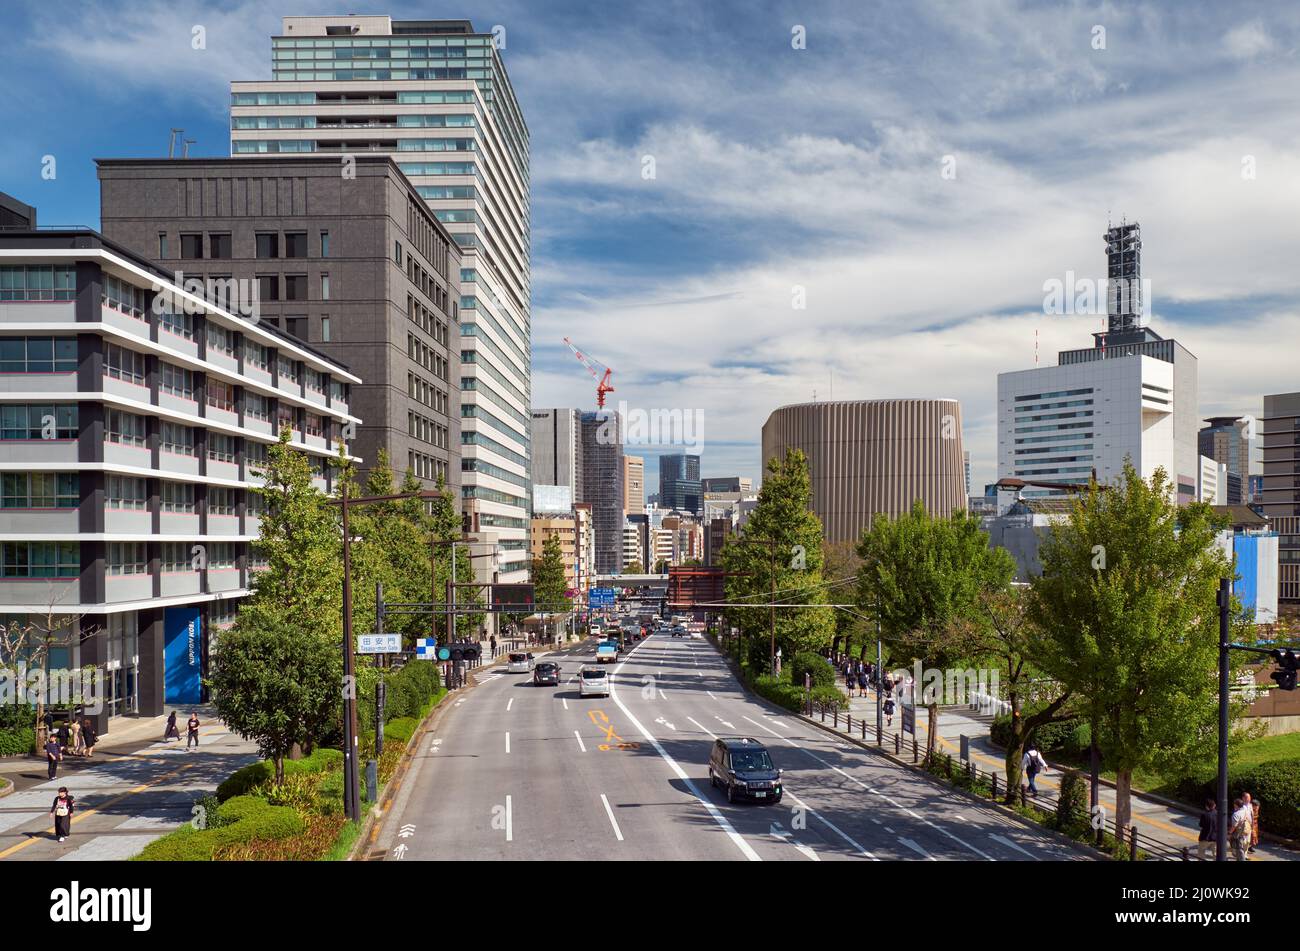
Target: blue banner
182,656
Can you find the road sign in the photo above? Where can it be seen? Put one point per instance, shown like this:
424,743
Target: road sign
601,598
379,644
426,648
909,718
513,598
965,748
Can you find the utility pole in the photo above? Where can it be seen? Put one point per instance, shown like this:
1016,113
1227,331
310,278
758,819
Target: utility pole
1221,842
880,673
351,778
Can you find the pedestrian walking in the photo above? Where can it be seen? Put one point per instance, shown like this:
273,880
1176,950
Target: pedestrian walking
1254,824
78,744
1239,830
171,728
63,736
1032,763
862,681
192,730
53,754
1207,839
493,642
889,711
89,736
61,813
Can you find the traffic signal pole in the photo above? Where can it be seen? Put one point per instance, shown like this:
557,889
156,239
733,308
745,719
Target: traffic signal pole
1221,842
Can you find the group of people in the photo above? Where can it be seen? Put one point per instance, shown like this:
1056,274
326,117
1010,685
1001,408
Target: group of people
70,738
862,676
191,729
1243,828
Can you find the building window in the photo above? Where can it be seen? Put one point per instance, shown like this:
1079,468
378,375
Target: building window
255,454
162,245
175,559
296,326
220,395
177,439
295,287
127,558
221,501
178,497
314,425
257,407
220,246
40,560
325,329
221,556
180,324
397,251
287,369
176,381
324,244
191,247
285,418
38,421
221,448
39,490
256,355
268,245
125,297
123,364
295,244
37,283
38,354
220,340
124,428
127,492
268,287
315,381
324,287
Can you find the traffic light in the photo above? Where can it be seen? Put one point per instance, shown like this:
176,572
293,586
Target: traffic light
1288,662
468,652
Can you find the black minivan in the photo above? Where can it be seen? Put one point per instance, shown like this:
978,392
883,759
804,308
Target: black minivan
744,768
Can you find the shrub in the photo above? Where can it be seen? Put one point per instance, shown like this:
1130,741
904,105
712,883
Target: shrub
814,664
830,697
1072,814
1275,784
399,731
312,845
17,741
782,694
1071,739
243,819
250,777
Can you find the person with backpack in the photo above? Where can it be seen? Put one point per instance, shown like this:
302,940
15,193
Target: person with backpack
1207,839
1032,763
61,813
889,711
1239,830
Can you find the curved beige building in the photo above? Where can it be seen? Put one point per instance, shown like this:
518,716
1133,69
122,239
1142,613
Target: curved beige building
872,456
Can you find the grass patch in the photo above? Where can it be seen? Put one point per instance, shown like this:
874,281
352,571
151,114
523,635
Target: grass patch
342,846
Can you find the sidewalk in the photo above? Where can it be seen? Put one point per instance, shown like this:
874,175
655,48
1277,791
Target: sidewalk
134,790
1175,827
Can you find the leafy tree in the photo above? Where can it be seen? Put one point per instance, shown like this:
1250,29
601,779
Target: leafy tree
276,682
921,573
550,582
446,522
840,561
780,548
302,583
1127,618
661,566
635,568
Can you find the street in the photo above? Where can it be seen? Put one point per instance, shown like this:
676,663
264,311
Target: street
540,773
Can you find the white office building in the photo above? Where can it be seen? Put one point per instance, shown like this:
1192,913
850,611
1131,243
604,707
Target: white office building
435,95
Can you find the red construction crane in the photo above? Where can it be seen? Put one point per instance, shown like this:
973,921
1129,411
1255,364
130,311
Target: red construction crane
602,381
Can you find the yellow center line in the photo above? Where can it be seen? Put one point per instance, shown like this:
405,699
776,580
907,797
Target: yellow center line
90,812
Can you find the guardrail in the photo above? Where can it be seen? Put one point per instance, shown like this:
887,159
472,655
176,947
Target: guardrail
991,784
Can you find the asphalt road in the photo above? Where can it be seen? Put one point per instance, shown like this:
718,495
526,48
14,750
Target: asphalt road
519,772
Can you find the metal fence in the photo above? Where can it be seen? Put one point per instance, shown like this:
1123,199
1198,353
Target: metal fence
967,775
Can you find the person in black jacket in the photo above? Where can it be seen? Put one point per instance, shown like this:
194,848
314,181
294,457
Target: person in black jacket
53,754
171,728
192,730
1208,839
61,813
89,736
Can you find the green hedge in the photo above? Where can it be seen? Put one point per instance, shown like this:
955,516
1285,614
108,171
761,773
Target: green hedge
792,697
1070,738
18,741
809,662
253,775
243,818
400,730
1276,785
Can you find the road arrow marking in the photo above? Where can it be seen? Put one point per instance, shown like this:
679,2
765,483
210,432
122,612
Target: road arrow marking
729,726
1007,842
916,848
406,832
400,850
435,745
664,722
779,833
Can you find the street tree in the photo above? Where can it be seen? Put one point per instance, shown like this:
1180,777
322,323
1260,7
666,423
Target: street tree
635,568
1126,619
921,573
277,683
445,523
550,582
779,548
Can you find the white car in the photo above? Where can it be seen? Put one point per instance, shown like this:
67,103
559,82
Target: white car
593,682
520,664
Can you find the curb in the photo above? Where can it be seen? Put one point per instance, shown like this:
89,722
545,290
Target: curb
6,787
998,807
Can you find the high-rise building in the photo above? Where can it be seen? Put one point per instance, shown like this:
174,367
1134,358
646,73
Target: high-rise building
680,487
726,484
1224,440
633,484
16,215
1279,433
602,485
435,95
359,268
965,459
870,457
134,417
556,440
1131,396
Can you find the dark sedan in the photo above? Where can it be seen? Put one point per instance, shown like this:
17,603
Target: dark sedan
546,674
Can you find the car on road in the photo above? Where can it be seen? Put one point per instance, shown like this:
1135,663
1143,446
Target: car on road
593,682
679,630
520,663
744,768
546,674
607,651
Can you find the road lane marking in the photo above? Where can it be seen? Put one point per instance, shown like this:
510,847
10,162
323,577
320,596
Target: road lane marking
507,742
1007,842
581,745
745,848
510,827
832,826
565,701
612,821
662,695
777,831
510,703
916,848
702,726
710,693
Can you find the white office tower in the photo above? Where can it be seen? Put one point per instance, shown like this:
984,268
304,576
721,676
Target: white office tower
435,95
1131,395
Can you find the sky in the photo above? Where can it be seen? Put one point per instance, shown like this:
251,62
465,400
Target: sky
738,206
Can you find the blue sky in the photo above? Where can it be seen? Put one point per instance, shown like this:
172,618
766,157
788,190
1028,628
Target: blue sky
818,168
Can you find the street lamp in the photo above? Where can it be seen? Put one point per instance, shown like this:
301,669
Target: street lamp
351,774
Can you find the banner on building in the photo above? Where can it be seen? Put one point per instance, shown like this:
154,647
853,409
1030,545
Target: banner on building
182,656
